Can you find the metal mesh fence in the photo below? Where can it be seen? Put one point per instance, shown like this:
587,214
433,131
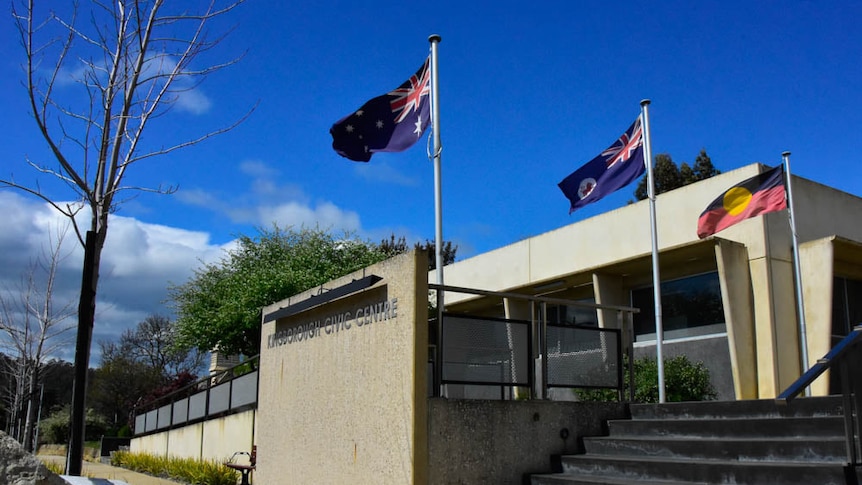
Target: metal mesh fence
583,357
485,351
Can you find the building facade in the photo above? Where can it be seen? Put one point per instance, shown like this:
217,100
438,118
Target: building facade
728,300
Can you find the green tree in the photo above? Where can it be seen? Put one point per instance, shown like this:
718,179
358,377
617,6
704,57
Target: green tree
668,176
220,306
119,383
703,167
393,246
54,428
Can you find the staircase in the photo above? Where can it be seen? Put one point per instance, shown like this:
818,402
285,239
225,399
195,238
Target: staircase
738,442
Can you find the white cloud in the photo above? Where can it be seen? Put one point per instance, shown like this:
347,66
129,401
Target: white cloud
139,262
384,172
325,215
257,169
193,101
267,202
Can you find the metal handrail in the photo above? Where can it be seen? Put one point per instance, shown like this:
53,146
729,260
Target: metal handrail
851,390
201,386
537,349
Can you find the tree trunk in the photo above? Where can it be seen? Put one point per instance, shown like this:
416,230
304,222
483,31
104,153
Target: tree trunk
32,408
86,310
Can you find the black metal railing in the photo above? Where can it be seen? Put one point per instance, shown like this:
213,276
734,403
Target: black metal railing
846,356
525,358
228,391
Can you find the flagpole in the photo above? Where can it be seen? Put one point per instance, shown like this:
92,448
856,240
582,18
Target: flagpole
438,197
656,278
803,334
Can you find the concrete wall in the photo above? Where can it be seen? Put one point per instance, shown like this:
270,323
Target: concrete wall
216,439
344,400
497,442
711,350
224,437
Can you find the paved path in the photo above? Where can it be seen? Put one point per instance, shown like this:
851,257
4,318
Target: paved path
109,474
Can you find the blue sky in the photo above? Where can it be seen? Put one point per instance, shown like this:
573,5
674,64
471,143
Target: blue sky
529,91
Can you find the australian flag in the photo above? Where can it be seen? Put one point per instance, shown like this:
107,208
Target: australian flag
392,122
613,169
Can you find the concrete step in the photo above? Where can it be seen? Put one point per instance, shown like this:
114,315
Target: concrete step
801,407
826,450
638,468
597,480
809,427
743,442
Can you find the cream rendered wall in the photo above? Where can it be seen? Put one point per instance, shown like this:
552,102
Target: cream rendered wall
186,442
349,406
226,436
154,444
216,439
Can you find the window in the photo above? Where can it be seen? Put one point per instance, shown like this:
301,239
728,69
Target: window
691,306
574,315
846,306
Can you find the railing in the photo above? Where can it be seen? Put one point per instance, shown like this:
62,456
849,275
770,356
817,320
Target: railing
846,356
526,358
221,393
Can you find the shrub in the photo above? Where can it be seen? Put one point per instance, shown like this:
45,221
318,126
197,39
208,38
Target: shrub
194,472
55,428
684,381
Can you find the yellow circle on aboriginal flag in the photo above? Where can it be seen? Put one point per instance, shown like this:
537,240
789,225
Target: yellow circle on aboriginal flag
736,200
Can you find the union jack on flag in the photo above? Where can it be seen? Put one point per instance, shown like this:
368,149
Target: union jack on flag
619,165
392,122
625,147
408,96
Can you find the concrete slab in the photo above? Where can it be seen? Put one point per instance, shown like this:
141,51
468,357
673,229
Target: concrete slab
91,481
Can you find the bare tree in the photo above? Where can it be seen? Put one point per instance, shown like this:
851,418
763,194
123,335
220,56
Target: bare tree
142,363
32,328
152,342
133,61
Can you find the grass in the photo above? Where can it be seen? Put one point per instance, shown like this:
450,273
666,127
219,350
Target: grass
55,467
58,468
194,472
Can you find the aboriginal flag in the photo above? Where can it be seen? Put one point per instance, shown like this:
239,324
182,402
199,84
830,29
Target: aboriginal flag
758,195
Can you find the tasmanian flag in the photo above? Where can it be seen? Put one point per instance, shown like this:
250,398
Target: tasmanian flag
760,194
612,170
392,122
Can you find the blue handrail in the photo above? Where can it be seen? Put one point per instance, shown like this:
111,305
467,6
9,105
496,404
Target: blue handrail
851,390
822,365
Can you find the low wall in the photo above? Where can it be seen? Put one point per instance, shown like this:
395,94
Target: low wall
216,439
473,441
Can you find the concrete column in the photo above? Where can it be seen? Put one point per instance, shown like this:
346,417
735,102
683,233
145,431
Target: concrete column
516,309
735,281
774,321
608,290
817,259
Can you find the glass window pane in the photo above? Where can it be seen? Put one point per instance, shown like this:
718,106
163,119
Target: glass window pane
690,306
854,303
574,315
839,308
